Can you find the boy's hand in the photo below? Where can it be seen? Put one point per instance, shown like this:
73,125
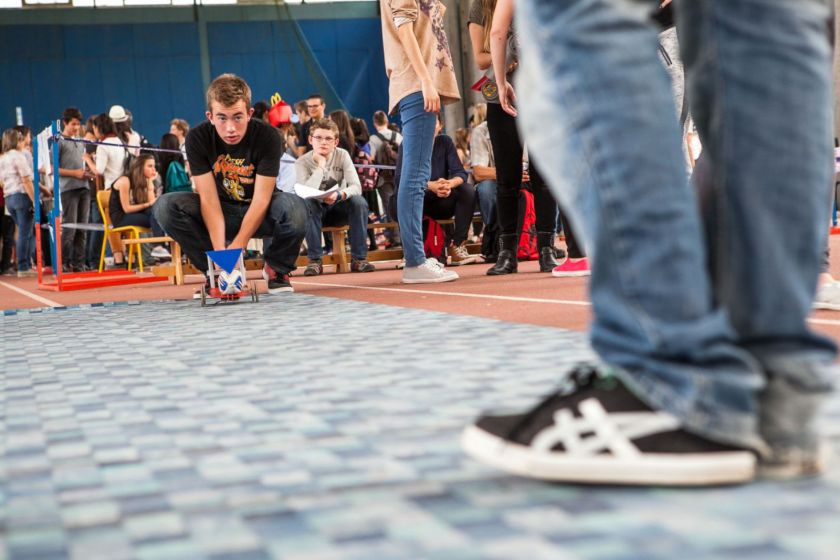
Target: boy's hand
319,160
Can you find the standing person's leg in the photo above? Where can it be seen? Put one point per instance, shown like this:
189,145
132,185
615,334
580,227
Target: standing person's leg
576,264
418,140
7,231
507,147
676,387
20,207
69,215
82,217
545,208
94,239
778,142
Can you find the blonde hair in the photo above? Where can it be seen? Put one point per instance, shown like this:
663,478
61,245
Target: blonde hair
181,125
488,7
227,90
479,114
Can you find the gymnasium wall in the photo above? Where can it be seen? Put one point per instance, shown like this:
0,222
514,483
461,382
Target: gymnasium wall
154,68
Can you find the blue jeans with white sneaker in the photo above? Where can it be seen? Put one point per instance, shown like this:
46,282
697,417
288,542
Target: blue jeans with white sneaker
721,352
418,139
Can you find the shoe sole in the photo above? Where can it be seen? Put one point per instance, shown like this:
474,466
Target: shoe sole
797,466
429,280
571,274
288,289
826,306
649,469
462,263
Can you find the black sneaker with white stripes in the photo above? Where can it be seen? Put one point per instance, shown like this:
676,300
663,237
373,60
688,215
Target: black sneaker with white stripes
595,431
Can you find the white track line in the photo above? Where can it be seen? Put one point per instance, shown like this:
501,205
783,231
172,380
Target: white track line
454,294
490,296
30,295
824,321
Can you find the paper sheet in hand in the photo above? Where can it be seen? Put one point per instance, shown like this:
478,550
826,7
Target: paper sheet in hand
308,192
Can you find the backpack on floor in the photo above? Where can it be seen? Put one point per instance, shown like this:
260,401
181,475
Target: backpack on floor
434,240
527,249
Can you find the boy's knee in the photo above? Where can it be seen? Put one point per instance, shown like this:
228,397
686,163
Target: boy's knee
358,204
295,209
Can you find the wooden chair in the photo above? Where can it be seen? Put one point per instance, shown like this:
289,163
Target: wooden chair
103,200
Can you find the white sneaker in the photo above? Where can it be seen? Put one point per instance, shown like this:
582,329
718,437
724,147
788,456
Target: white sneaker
430,272
160,252
828,296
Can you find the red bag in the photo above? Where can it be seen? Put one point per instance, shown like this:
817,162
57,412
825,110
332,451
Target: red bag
434,239
527,249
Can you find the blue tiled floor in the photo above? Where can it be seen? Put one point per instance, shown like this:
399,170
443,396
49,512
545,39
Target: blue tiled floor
311,428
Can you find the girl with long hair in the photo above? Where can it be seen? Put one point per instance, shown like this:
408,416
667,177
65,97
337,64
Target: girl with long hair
133,196
19,193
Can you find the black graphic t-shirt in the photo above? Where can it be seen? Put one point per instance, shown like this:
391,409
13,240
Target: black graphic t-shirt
235,168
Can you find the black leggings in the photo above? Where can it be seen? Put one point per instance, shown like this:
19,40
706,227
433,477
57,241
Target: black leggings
507,150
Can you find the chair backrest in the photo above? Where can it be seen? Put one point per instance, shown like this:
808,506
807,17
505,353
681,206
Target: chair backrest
103,200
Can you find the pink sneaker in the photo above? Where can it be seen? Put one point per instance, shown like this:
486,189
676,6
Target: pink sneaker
571,268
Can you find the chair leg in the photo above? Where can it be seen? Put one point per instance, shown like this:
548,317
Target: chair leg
139,255
176,260
102,252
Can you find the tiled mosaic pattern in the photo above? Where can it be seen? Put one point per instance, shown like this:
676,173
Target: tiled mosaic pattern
307,428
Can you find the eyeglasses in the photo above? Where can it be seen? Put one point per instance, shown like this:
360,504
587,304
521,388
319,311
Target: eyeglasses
324,138
308,106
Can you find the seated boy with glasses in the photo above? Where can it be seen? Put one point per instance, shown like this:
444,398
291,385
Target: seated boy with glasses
325,167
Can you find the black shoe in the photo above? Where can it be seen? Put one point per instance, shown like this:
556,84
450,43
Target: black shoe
545,245
596,431
506,262
314,268
361,266
547,260
276,282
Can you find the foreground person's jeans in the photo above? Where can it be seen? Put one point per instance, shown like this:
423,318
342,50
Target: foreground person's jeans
731,356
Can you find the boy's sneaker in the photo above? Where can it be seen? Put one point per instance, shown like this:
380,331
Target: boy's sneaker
459,255
430,272
595,431
276,282
569,268
27,273
828,297
361,266
160,252
314,268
